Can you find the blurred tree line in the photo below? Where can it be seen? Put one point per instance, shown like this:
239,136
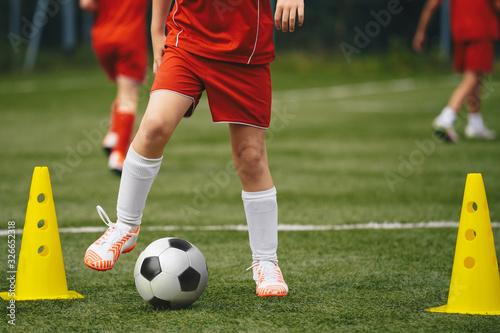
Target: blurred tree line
344,29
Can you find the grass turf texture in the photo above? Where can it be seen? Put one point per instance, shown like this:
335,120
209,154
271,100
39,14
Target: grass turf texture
335,160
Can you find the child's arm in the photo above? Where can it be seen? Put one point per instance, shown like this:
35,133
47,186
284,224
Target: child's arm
285,15
89,5
427,13
158,20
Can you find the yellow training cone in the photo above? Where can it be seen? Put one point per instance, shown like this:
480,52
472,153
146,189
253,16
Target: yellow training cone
475,280
40,271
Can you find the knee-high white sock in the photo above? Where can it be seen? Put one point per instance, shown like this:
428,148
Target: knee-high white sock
261,210
137,177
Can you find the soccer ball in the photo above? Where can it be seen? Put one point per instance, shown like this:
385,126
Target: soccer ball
171,273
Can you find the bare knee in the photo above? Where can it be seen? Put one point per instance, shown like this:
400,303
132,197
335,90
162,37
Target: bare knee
250,161
163,114
152,136
155,131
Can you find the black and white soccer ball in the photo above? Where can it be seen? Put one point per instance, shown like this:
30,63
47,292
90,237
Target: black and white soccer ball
171,273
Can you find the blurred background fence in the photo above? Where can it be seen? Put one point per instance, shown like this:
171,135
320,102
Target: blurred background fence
49,33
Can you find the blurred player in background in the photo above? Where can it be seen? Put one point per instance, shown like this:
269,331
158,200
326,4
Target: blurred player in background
119,40
225,48
474,28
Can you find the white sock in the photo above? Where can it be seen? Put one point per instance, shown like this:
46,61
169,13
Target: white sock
447,117
137,177
261,210
475,120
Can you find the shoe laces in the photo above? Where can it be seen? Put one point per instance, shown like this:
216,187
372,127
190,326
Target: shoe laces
114,232
266,270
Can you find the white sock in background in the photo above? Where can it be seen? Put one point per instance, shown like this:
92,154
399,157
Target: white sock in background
476,121
261,210
138,175
447,117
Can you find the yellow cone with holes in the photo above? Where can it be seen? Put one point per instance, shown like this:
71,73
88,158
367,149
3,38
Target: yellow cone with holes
40,271
475,280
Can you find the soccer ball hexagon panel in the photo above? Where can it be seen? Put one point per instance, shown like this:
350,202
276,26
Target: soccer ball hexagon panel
171,273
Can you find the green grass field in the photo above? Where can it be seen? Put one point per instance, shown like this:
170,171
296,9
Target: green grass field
359,152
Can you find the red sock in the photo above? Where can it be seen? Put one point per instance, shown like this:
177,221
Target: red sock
114,111
124,126
111,137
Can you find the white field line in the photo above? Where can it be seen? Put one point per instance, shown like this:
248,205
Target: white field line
281,227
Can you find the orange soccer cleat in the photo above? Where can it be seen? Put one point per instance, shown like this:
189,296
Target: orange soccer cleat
104,252
269,279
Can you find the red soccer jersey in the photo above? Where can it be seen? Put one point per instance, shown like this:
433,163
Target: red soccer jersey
229,30
473,20
121,21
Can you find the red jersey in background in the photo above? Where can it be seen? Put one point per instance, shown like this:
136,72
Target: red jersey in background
473,20
121,20
119,38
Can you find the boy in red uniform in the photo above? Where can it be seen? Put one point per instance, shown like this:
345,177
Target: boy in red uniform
474,27
119,41
222,47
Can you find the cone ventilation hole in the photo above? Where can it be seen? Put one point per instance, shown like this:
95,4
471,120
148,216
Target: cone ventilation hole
469,262
471,207
40,198
43,250
42,224
470,234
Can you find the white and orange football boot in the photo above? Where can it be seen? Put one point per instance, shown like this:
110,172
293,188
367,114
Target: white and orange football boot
104,252
269,280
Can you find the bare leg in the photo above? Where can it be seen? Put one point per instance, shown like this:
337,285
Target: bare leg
475,100
468,91
163,114
250,157
127,94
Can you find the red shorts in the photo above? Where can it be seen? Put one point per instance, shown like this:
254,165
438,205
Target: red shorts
475,56
127,59
237,93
